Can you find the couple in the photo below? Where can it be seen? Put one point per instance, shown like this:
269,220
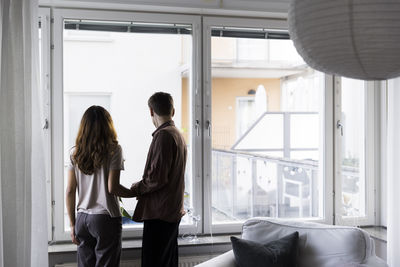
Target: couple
94,172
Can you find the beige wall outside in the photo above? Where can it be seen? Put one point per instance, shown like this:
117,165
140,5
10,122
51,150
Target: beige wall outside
185,110
224,93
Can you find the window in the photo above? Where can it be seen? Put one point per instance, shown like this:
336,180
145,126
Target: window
119,64
120,71
282,165
353,148
270,165
355,129
246,113
263,129
44,86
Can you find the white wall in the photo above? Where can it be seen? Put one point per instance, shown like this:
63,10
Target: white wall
392,172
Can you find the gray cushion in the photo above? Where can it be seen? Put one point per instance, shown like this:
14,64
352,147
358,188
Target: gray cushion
278,253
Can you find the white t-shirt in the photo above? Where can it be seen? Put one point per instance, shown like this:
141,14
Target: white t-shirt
93,195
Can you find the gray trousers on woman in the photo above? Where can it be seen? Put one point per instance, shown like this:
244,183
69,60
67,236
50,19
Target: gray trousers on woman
100,240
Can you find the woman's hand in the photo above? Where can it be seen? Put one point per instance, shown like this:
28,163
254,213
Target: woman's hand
74,239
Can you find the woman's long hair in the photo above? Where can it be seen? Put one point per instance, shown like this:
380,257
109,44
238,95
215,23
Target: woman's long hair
95,141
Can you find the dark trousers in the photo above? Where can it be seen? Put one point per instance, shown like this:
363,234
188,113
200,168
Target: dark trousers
100,240
160,244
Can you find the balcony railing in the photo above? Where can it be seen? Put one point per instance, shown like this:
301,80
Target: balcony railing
247,185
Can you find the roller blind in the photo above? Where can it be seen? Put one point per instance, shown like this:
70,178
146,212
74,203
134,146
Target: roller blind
89,25
250,33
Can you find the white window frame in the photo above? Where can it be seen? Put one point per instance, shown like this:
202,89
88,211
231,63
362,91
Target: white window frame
201,121
44,16
326,138
59,234
371,146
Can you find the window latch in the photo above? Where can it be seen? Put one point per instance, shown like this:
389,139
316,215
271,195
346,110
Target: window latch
208,125
46,124
339,125
197,127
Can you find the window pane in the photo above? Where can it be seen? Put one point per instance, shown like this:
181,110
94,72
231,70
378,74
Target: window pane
260,135
266,126
120,71
305,155
353,148
304,130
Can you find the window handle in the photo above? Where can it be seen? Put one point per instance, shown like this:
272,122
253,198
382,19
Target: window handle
339,125
46,124
208,125
197,126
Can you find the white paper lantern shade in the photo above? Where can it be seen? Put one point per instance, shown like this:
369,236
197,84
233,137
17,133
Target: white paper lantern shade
352,38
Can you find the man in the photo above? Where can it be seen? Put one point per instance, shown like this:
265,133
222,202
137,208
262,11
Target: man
160,192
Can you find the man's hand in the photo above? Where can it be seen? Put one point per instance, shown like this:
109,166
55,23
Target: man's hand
74,239
134,191
133,187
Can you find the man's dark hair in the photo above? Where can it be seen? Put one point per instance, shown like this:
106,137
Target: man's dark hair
162,103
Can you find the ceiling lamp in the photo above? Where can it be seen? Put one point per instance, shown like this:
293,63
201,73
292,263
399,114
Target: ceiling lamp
353,38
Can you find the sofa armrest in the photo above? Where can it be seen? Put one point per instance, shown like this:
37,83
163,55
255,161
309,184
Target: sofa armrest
224,260
375,261
228,260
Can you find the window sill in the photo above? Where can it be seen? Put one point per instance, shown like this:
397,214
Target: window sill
137,243
376,232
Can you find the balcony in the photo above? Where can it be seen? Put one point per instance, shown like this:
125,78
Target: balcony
248,185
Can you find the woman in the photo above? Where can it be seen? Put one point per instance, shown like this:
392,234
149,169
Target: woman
96,163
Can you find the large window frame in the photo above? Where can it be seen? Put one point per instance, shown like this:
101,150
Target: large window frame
371,146
201,120
59,15
327,138
45,87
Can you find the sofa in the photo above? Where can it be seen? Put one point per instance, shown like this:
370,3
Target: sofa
319,245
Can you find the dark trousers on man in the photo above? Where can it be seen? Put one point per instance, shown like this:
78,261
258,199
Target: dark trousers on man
100,240
160,244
